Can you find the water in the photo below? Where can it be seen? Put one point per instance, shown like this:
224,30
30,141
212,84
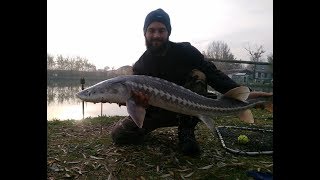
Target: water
63,105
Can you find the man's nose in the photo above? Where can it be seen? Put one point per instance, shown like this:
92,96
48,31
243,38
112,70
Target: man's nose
156,34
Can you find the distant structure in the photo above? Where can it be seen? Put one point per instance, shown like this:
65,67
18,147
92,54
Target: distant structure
263,75
124,70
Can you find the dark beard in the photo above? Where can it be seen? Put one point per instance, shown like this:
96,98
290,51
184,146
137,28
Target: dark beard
157,50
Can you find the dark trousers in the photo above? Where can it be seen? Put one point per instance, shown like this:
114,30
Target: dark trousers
127,132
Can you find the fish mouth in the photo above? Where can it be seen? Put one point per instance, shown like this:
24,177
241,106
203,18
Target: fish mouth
82,95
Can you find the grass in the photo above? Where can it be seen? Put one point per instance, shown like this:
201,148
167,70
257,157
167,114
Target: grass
84,150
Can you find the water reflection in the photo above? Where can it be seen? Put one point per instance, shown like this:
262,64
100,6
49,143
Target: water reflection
62,103
62,95
63,91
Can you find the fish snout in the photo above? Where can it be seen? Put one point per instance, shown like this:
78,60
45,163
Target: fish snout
78,95
82,94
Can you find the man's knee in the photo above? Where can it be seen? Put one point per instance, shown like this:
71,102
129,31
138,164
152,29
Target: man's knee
127,132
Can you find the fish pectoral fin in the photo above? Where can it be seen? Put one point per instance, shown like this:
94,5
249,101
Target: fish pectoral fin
246,116
136,112
240,93
208,121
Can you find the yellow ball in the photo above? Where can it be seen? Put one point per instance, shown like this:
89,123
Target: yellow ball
243,139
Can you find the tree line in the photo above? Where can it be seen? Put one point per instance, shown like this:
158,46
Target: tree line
216,50
69,63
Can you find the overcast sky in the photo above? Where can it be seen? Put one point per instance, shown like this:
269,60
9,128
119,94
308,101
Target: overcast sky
109,33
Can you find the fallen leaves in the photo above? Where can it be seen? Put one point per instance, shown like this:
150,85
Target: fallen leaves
94,157
189,175
80,152
206,167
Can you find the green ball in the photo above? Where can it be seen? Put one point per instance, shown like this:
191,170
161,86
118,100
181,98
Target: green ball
243,139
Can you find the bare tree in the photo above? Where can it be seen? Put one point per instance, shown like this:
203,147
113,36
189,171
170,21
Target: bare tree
106,68
60,62
270,59
255,56
50,61
220,51
78,63
69,63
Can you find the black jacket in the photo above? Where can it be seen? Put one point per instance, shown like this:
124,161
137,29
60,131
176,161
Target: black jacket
178,62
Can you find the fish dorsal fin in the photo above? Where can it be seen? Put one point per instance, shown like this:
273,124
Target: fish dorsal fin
240,93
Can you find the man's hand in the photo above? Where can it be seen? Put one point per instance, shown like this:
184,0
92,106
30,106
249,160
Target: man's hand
257,94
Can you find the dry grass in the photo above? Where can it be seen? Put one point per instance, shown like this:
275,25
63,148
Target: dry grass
84,150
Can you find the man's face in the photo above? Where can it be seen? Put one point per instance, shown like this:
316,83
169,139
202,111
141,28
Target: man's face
157,37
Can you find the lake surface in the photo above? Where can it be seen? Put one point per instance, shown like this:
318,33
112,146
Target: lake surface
63,105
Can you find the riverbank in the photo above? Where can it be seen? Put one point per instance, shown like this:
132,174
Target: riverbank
84,150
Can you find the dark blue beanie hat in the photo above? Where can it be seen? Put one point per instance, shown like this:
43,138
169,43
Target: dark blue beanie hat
157,15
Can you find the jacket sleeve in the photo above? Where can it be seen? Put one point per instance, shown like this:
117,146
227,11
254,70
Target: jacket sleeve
137,67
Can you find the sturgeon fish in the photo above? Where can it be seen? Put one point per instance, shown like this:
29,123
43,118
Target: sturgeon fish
137,92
